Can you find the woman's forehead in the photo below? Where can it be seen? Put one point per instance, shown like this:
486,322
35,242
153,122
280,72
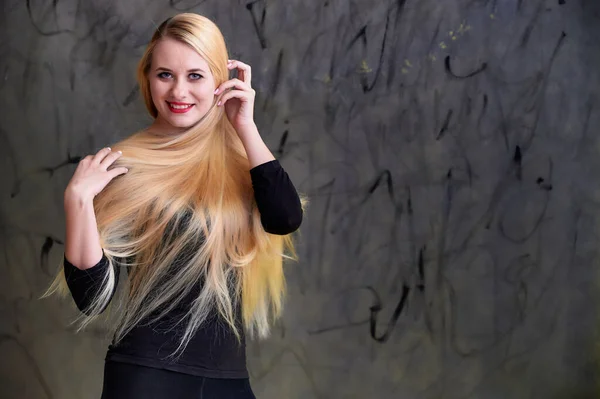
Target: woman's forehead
175,55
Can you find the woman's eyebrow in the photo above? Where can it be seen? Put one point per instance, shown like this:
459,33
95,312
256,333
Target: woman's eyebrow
189,70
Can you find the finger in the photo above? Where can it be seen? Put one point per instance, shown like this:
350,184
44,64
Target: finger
110,159
244,70
242,95
232,84
101,154
117,172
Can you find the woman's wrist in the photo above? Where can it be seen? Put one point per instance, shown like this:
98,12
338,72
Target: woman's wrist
256,149
74,198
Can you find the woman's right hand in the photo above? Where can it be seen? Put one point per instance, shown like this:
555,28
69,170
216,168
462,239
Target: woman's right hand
92,174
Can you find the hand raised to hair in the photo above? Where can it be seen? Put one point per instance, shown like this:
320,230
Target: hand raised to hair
92,174
238,97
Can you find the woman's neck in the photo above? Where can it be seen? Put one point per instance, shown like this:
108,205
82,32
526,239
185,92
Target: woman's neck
162,128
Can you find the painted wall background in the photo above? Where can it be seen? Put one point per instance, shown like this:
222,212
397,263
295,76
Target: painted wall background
448,148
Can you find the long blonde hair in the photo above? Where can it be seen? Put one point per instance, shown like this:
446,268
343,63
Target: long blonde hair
191,194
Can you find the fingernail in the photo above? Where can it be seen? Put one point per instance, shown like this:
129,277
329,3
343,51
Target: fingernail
120,152
217,90
219,103
108,148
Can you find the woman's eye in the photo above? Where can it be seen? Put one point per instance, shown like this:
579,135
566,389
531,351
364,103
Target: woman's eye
167,75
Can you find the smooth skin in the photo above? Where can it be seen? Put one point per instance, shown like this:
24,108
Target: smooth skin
177,75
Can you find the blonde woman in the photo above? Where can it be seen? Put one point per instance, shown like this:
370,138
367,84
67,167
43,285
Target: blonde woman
197,212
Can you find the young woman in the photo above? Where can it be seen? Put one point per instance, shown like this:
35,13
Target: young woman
197,211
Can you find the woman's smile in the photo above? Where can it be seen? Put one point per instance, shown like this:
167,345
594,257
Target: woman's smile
179,107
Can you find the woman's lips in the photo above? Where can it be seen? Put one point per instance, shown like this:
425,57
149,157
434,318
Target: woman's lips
179,108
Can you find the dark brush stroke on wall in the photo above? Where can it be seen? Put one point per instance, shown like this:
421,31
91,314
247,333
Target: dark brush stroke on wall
45,252
259,24
36,25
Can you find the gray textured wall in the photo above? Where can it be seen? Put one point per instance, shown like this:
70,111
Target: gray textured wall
449,150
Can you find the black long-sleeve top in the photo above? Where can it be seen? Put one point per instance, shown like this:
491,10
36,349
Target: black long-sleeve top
213,351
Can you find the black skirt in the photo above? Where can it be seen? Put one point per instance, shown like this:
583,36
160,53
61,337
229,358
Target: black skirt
130,381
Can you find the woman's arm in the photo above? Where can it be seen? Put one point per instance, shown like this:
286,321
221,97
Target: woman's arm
85,264
82,241
277,199
256,149
86,284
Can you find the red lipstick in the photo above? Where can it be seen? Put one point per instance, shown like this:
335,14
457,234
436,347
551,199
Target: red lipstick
179,108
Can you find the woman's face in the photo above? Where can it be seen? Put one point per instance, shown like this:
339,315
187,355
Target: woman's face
181,84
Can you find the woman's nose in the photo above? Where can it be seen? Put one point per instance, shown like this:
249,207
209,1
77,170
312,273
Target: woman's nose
179,90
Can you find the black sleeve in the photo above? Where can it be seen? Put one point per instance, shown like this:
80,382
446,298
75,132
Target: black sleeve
85,284
276,198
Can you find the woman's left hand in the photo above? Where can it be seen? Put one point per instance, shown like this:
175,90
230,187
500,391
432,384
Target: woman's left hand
238,97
